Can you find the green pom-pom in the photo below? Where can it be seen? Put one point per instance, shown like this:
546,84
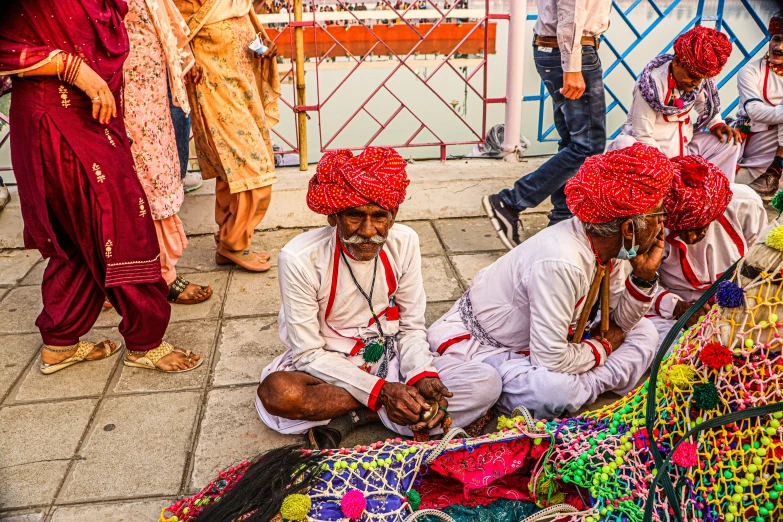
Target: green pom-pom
295,507
705,396
414,499
775,238
373,352
777,202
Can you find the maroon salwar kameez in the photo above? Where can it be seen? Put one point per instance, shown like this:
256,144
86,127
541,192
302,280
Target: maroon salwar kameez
82,204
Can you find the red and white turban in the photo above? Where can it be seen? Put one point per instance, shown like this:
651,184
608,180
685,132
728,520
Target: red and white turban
619,184
703,51
700,194
775,25
344,181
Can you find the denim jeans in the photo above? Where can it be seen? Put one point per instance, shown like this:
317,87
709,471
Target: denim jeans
181,122
582,127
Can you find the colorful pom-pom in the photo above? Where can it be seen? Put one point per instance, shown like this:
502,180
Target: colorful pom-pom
373,352
705,396
730,295
682,375
353,504
715,356
414,499
775,238
777,202
295,507
685,455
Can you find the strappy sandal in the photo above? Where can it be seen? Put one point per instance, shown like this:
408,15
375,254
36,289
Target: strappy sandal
180,285
251,261
83,349
223,260
150,359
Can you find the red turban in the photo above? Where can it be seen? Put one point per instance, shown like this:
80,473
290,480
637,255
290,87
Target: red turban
775,25
703,51
619,184
700,194
343,181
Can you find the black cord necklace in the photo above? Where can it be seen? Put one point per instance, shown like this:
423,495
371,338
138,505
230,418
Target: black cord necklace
374,351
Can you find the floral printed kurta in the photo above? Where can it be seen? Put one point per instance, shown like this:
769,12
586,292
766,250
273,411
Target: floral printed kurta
147,115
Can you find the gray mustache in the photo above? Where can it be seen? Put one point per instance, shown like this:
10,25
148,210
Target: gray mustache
356,239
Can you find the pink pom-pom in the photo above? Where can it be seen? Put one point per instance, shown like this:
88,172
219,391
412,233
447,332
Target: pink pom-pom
353,504
679,103
685,455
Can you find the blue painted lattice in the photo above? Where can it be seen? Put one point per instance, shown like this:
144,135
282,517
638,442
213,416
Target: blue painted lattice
621,57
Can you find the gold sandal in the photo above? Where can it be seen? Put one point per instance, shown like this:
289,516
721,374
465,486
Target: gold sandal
83,349
150,358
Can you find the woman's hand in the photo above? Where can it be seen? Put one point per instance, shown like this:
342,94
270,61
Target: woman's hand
103,106
194,75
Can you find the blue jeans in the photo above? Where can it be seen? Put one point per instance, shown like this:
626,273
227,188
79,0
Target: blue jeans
582,127
181,122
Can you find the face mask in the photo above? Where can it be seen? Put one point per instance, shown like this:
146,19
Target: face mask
627,255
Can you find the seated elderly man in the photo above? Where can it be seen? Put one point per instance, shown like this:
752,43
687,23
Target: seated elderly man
710,224
353,317
526,314
669,88
760,116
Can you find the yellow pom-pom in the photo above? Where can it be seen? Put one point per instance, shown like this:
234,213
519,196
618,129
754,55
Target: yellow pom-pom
775,238
295,507
682,376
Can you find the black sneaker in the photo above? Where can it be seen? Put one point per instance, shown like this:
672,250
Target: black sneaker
505,220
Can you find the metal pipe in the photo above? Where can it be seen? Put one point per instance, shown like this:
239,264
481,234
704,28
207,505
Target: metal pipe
514,67
301,97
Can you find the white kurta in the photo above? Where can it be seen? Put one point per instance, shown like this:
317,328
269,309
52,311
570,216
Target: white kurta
325,319
673,135
761,94
688,270
528,302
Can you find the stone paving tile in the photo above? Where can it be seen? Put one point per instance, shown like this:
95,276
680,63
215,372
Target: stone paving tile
14,265
35,276
19,309
428,239
136,447
37,441
231,432
273,241
253,294
246,346
435,311
80,380
468,265
468,235
15,352
23,516
198,336
532,223
199,256
115,512
440,284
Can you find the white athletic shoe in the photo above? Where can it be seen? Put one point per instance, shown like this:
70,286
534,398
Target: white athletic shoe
192,181
5,196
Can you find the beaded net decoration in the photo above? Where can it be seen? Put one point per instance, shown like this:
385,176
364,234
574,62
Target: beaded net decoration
602,462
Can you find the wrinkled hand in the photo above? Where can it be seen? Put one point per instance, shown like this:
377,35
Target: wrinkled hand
615,335
195,75
573,85
271,51
403,403
731,133
103,108
432,388
646,265
683,306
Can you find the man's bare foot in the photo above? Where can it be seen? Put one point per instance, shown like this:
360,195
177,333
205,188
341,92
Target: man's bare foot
182,291
194,291
177,360
50,357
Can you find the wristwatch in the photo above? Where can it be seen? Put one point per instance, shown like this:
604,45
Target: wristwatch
644,283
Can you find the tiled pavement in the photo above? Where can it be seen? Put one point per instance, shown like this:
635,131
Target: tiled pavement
100,441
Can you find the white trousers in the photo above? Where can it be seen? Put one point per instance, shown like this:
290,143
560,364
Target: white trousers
705,144
549,394
759,150
476,387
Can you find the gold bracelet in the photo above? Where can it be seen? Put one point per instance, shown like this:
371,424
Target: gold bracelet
66,66
57,60
76,68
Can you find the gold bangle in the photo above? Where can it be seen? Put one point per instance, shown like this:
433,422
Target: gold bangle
76,68
66,66
57,60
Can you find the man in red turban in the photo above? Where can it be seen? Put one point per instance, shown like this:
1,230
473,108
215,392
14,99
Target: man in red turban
760,117
530,315
670,88
353,318
710,223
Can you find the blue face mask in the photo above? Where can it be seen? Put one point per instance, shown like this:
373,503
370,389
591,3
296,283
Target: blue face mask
627,255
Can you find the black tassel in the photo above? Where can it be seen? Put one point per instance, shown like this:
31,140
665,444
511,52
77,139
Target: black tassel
272,477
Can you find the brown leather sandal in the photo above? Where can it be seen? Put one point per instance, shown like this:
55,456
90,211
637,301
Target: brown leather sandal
247,259
221,260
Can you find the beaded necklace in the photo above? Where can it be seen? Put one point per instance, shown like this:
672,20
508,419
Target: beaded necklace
777,68
372,352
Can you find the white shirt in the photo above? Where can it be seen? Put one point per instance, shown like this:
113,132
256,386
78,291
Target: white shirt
531,299
669,134
324,316
569,20
688,270
761,94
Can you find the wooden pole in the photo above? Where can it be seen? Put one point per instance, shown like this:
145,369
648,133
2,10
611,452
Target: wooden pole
605,302
591,295
301,97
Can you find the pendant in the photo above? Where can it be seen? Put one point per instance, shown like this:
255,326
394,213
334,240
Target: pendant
373,352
